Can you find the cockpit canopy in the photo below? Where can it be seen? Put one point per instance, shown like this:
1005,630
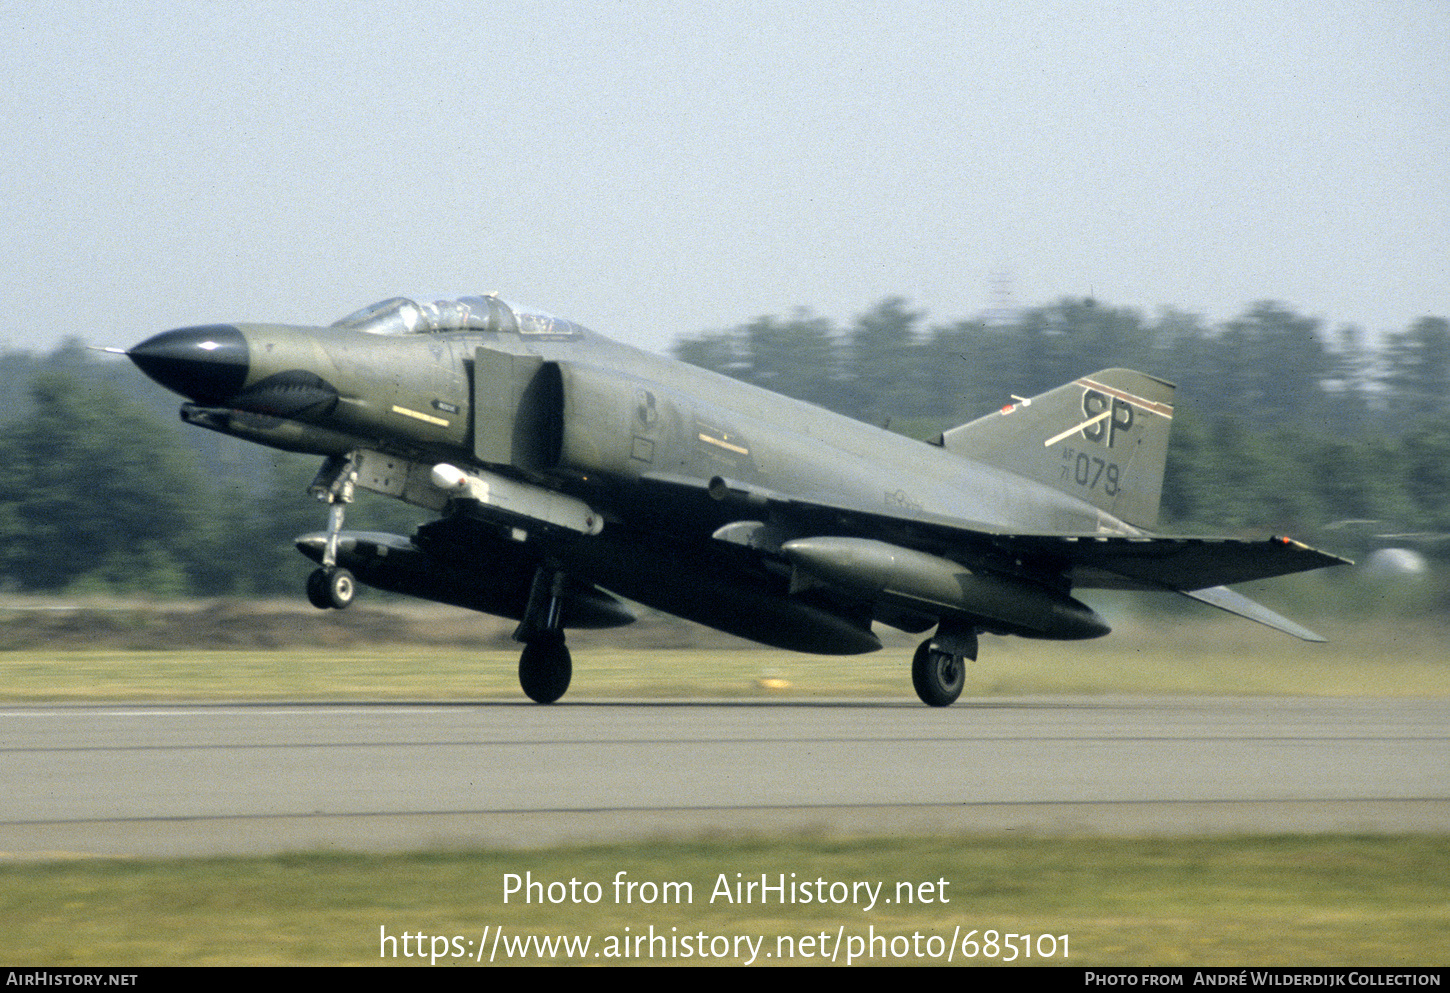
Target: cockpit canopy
400,315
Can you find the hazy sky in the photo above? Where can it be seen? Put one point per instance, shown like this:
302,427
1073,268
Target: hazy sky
653,170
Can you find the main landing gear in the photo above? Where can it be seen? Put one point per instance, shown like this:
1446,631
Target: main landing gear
331,586
545,666
939,668
545,669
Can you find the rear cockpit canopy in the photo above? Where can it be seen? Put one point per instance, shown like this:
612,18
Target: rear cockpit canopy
400,315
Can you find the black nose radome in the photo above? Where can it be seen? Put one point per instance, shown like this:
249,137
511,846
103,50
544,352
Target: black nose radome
207,364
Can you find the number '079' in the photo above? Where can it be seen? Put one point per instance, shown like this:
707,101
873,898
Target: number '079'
1091,472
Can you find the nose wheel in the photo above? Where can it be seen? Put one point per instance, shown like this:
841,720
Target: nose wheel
331,588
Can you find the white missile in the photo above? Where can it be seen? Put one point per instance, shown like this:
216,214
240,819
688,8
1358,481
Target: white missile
521,502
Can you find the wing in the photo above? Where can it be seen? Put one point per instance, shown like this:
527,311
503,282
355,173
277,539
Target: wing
1197,567
1165,562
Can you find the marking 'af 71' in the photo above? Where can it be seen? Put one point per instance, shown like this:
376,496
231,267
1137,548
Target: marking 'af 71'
567,470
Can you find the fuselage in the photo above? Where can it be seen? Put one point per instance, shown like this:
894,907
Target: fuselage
413,396
667,453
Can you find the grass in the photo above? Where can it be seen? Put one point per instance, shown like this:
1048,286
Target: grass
1293,900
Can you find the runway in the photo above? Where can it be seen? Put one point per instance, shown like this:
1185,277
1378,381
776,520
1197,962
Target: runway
164,780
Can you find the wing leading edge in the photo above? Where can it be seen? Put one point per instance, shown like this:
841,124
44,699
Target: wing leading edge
1165,562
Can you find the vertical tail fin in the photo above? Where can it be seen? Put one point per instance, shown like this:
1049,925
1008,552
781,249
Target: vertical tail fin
1103,438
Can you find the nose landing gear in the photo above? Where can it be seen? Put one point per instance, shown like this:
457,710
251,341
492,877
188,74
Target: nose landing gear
331,586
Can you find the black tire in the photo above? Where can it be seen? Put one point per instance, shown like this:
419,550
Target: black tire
317,589
937,675
331,587
545,669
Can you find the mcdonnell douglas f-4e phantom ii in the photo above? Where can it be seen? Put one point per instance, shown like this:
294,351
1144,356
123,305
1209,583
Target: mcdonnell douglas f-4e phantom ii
567,470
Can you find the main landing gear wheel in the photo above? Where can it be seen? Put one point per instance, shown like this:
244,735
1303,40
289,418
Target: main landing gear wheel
331,588
937,675
545,669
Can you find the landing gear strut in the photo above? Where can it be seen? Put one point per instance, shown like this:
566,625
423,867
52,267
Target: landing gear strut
331,586
545,666
939,668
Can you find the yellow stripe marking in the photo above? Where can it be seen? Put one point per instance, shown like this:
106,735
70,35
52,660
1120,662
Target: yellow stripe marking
1085,424
720,443
418,415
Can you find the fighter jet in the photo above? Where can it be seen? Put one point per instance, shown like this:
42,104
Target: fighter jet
567,471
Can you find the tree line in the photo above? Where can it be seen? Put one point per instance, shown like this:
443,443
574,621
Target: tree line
1283,425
